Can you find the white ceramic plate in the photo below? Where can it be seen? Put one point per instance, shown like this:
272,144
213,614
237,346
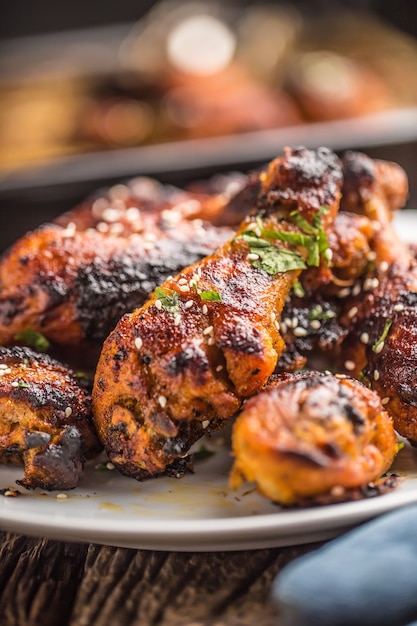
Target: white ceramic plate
198,512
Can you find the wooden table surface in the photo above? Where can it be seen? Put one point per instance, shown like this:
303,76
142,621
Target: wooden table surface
45,582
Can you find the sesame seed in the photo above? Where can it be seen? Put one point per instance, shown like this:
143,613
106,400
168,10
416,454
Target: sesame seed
208,330
364,338
337,490
383,266
3,366
110,215
61,496
138,343
356,289
189,304
350,365
372,255
376,375
219,368
288,322
184,288
117,228
340,376
199,271
277,324
7,370
252,256
205,309
399,307
177,320
283,327
132,214
205,423
210,341
68,411
158,304
352,312
328,254
183,281
379,347
315,324
110,466
196,278
162,401
15,383
273,316
102,227
343,293
385,400
300,332
294,322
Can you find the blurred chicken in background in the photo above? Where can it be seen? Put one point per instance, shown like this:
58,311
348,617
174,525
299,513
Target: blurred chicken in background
195,70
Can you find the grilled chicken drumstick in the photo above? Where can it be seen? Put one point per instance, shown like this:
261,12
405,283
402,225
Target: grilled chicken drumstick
312,435
72,281
45,419
181,365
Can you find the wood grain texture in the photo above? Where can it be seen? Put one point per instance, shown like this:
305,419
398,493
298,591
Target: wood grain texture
51,583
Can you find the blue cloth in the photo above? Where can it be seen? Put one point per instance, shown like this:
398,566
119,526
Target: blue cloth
367,577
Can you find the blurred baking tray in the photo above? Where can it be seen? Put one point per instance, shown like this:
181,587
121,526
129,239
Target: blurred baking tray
31,196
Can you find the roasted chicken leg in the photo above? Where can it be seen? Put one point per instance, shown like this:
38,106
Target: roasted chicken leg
181,365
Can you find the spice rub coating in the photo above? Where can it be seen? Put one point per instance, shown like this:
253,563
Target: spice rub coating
181,365
45,419
72,281
311,435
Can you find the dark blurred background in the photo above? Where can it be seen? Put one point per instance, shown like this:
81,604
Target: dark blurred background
28,17
92,92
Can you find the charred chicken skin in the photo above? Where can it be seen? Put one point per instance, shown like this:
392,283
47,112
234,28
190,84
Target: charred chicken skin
312,435
181,365
45,419
368,321
72,281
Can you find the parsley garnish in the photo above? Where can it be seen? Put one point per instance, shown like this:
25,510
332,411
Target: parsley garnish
209,295
21,383
271,258
317,313
298,289
169,300
377,347
33,339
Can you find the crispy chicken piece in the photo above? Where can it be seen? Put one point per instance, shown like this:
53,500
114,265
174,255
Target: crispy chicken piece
364,244
45,419
72,281
310,435
181,365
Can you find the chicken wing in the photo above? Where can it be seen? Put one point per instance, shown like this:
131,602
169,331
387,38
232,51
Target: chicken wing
312,435
45,419
179,366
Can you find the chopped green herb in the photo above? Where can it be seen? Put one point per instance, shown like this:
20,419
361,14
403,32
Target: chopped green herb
364,380
377,347
298,289
33,339
317,313
212,296
21,383
271,258
203,453
169,300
